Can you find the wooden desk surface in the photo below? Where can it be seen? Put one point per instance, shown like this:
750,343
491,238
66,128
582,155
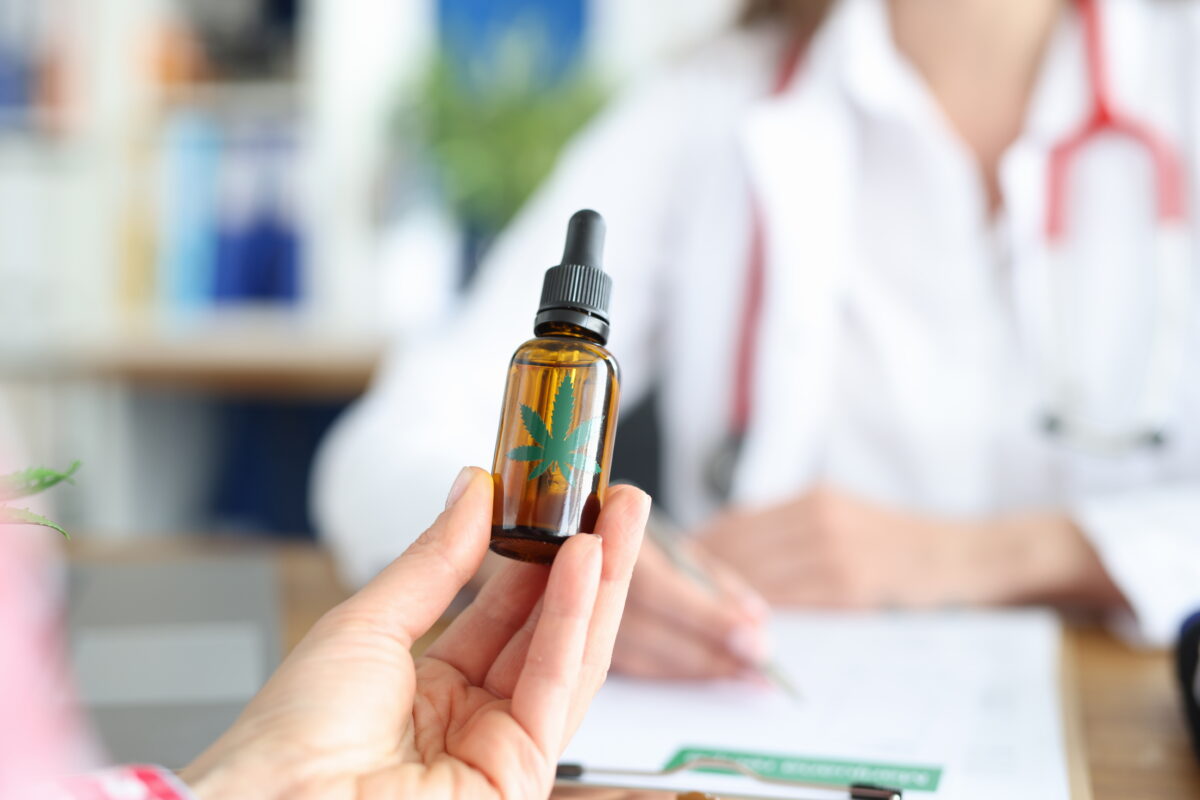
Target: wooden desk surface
1135,742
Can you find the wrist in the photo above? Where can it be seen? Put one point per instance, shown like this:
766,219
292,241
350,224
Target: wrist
971,565
1039,557
143,781
207,784
210,779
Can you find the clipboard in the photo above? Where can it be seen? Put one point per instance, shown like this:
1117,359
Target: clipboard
1074,764
850,791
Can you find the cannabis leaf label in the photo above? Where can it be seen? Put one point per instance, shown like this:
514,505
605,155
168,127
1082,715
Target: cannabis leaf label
555,446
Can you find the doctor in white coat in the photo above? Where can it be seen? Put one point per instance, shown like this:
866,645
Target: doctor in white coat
960,371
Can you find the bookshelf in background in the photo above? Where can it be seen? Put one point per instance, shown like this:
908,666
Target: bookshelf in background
159,301
156,174
191,199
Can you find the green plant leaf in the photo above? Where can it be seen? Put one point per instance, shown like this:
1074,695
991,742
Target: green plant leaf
493,127
527,452
534,425
23,516
564,409
33,480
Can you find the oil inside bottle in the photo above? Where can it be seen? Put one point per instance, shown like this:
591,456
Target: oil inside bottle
557,423
554,446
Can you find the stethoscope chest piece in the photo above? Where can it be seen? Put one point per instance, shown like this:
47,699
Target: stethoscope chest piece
1060,428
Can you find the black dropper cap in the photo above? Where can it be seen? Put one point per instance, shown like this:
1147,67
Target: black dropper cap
576,291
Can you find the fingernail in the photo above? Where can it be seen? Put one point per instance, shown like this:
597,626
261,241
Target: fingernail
459,486
747,644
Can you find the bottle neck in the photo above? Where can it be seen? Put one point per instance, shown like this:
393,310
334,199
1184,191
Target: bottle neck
571,330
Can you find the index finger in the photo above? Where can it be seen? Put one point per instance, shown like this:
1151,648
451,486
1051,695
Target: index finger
620,527
541,701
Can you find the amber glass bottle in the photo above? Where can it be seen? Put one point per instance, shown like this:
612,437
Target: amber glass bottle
559,417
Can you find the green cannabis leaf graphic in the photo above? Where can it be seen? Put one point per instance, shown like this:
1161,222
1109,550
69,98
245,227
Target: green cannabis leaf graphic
555,445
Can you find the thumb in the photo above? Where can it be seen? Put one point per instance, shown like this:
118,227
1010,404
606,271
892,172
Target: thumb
409,595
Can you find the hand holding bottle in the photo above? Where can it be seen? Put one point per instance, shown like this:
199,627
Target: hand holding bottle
483,714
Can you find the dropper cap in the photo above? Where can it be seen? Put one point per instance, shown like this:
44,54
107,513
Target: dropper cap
577,291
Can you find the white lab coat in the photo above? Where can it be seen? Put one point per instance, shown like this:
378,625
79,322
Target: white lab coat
892,358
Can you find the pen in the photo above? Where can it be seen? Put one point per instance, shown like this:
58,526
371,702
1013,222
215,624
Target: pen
663,533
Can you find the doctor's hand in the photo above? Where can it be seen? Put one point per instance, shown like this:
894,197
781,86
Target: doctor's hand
676,628
829,548
484,713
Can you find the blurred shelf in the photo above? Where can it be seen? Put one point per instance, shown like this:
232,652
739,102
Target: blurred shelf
277,360
250,365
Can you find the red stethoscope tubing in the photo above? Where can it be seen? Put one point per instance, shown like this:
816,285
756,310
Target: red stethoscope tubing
1105,118
748,329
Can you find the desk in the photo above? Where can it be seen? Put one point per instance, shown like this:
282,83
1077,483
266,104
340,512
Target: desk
1132,726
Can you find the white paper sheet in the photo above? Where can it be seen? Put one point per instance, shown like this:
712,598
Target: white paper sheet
950,706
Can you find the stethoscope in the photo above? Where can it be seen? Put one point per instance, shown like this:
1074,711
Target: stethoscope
1063,418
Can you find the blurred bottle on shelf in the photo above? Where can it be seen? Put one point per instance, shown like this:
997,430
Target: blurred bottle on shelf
137,242
258,244
37,95
162,230
191,157
17,32
210,193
